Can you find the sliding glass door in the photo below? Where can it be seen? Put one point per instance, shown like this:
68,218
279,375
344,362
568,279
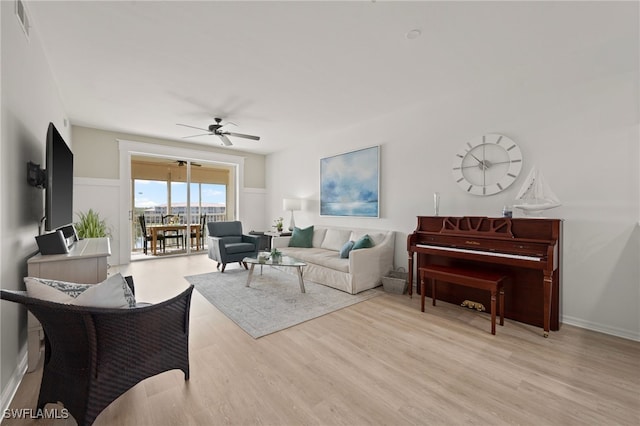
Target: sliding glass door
176,199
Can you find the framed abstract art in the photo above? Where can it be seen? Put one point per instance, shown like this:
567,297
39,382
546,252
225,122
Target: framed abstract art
350,183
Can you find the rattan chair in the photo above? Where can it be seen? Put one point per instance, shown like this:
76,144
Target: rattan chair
94,355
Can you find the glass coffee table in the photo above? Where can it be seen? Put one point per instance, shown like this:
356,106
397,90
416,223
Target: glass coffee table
284,261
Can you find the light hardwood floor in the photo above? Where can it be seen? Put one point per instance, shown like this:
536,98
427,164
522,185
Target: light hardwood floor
379,362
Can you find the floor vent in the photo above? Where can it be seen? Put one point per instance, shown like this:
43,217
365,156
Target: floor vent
21,13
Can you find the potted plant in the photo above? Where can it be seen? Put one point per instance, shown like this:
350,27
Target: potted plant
278,224
276,255
91,225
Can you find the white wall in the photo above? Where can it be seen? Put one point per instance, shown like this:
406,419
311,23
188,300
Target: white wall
99,195
252,215
30,100
576,120
97,154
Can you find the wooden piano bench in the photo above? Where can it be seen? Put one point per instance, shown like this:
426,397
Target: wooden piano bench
483,280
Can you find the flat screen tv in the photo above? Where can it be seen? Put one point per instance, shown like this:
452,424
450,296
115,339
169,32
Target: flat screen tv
58,208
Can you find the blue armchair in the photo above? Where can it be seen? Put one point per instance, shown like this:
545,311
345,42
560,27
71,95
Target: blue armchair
228,244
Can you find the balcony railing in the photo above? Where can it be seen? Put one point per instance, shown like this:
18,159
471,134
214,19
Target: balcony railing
156,218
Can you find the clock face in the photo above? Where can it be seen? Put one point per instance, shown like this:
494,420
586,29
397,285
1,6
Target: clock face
487,165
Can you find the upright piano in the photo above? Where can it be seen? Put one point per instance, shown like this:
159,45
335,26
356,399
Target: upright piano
527,250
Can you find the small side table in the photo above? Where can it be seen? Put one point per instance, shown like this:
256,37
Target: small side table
265,240
272,234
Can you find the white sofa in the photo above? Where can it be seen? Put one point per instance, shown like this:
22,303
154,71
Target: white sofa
363,269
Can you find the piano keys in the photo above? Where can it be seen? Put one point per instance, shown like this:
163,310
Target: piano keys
527,250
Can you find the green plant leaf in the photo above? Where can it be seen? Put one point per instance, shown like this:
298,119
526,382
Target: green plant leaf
90,225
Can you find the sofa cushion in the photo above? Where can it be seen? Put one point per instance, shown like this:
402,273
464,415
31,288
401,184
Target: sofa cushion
222,229
239,248
231,239
318,237
114,292
346,249
320,257
301,237
363,242
335,239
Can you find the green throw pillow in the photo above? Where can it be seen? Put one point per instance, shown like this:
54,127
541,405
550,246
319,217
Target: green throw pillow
364,242
301,237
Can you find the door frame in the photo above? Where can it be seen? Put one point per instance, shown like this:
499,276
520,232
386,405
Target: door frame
128,148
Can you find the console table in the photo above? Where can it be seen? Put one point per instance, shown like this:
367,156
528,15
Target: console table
85,263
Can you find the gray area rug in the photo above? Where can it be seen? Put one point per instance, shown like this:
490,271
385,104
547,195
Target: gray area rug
273,302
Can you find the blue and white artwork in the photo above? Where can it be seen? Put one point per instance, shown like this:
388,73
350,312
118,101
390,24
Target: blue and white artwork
349,184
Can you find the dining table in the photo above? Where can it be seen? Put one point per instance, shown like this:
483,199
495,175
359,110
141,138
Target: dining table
157,229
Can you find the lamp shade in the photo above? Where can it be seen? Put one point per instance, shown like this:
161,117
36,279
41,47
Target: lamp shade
291,204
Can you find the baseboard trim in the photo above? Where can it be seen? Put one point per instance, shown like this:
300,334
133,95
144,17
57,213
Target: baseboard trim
16,377
618,332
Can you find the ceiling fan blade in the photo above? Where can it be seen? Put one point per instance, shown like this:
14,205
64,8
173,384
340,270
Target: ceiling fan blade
225,140
240,135
195,136
193,127
228,123
182,163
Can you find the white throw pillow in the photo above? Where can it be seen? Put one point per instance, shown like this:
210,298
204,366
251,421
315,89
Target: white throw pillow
110,293
318,237
334,239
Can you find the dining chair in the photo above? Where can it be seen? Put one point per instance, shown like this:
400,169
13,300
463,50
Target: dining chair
148,237
194,234
173,234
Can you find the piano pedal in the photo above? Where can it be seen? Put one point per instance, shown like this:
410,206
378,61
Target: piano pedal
473,305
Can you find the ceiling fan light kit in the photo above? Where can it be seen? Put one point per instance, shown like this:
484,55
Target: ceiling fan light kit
216,130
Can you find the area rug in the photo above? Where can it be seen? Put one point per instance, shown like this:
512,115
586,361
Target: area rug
273,302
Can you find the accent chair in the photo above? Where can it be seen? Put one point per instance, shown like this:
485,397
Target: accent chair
227,244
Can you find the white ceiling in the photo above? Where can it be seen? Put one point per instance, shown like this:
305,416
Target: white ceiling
293,71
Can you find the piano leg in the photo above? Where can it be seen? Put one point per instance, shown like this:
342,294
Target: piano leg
493,312
422,287
433,292
548,288
410,275
501,305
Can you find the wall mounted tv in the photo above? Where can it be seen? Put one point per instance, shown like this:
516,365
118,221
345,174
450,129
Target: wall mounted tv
58,208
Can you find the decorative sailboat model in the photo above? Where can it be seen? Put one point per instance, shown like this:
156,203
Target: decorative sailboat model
536,195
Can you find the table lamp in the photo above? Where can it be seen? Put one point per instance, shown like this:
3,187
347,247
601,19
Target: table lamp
291,204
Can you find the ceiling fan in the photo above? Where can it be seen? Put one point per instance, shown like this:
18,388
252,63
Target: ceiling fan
182,163
216,130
